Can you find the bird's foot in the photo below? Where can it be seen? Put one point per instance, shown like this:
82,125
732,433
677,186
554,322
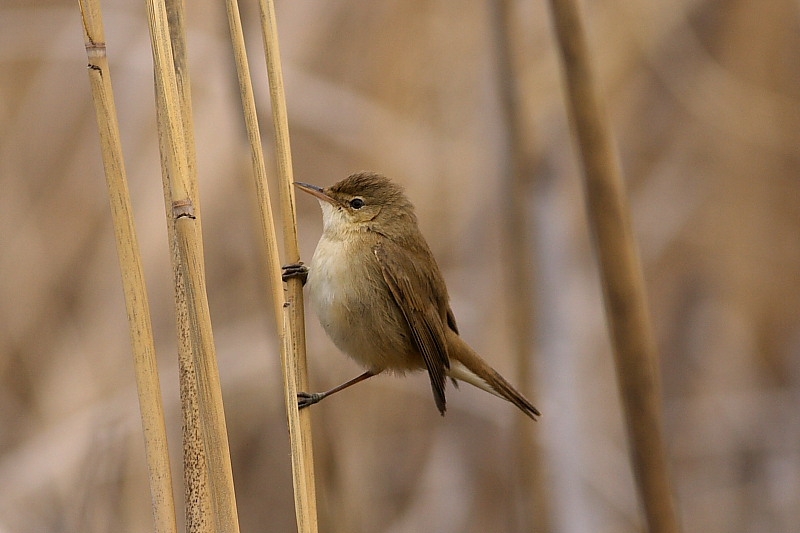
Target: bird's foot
295,270
306,399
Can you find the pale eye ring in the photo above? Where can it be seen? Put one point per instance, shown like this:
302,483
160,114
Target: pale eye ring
357,203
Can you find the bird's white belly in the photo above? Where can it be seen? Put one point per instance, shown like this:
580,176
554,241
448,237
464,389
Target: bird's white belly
347,307
327,284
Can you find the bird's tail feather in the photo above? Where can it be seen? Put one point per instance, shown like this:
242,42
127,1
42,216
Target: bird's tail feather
477,372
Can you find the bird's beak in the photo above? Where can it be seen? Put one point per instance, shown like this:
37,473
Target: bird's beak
313,190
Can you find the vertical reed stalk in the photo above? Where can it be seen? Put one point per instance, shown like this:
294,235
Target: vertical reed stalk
519,269
620,269
257,155
136,302
294,357
188,266
302,464
198,505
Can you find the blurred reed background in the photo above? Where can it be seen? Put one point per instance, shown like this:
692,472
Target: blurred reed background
705,103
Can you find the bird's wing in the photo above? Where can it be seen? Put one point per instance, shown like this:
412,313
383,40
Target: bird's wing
420,310
451,320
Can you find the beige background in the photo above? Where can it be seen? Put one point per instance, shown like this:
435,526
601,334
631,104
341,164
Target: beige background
705,103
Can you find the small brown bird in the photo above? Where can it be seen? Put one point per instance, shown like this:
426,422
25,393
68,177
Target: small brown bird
380,296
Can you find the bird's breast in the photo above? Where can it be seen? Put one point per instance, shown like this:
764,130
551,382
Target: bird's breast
331,276
354,305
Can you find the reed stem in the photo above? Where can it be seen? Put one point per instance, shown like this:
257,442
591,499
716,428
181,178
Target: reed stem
133,283
294,354
620,270
182,214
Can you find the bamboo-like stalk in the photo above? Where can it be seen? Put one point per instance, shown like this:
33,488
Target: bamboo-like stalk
620,269
136,301
177,32
188,246
195,472
519,271
257,155
294,357
302,465
197,497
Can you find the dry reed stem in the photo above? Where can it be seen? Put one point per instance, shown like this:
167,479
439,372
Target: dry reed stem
257,154
199,511
294,357
621,272
519,270
177,32
197,497
304,495
302,465
136,301
195,473
182,213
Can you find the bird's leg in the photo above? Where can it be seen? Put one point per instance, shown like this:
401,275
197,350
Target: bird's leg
304,399
294,270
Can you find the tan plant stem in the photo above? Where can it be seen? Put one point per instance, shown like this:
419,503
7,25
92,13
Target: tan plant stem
620,269
257,156
190,277
294,356
133,283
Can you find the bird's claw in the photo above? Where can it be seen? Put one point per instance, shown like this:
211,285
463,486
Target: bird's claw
295,270
306,399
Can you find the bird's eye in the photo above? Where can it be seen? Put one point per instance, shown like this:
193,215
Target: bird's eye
356,203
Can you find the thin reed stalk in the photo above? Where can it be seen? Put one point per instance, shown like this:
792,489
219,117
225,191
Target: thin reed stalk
302,463
197,497
136,301
182,215
257,155
620,269
294,355
519,270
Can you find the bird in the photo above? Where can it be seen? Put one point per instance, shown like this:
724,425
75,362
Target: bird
380,295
